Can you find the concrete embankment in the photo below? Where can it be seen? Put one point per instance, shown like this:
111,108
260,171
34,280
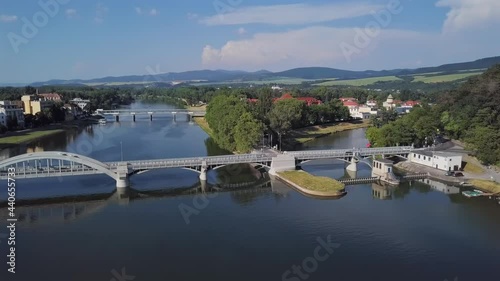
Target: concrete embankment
433,173
313,186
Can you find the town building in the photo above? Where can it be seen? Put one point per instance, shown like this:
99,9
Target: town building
11,111
389,103
371,103
80,102
33,104
308,100
50,97
439,160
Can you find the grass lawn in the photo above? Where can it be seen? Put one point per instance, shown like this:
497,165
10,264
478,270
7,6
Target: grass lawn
473,168
306,134
359,82
204,125
311,182
28,136
444,78
487,185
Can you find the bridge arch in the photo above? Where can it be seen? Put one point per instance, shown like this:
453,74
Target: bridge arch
56,155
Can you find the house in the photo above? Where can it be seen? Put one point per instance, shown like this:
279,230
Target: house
11,111
439,160
353,107
371,103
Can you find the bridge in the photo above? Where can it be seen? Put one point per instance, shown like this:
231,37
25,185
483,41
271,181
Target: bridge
58,164
150,112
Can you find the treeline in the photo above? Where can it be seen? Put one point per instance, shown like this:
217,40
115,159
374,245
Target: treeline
470,113
239,125
105,98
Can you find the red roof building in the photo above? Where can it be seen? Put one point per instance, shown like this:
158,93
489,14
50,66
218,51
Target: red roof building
348,99
410,103
308,100
50,96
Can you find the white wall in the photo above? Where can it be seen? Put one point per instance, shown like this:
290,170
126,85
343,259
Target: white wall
437,161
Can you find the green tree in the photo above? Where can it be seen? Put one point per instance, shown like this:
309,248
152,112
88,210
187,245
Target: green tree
286,115
247,132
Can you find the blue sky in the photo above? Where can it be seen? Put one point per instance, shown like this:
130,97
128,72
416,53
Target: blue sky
91,39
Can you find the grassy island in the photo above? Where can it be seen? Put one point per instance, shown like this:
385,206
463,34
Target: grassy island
23,137
486,185
313,185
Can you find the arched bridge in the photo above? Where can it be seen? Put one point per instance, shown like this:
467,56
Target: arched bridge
57,164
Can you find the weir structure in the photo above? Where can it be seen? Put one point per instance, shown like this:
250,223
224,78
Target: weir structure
58,164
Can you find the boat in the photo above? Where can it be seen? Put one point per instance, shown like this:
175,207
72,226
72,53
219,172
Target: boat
473,193
102,121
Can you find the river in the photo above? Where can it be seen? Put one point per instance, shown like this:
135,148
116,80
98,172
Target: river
418,232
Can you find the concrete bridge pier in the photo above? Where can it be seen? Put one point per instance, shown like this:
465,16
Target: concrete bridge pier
203,186
353,167
175,115
281,163
150,116
203,171
133,116
122,178
117,118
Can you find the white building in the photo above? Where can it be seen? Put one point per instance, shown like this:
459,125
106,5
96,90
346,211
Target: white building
81,103
438,160
10,110
389,103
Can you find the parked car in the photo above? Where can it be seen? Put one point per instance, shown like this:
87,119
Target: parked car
458,174
450,173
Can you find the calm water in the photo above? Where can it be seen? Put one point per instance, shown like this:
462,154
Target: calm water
417,233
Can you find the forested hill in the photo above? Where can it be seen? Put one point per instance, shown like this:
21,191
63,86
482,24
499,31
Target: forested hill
471,113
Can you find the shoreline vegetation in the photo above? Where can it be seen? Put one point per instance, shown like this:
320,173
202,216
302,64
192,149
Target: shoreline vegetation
486,185
313,185
307,134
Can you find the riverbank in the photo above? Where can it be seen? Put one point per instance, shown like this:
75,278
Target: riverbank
26,136
433,173
307,134
313,185
11,139
486,185
204,125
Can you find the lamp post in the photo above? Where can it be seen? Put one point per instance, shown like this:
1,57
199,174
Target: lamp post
280,140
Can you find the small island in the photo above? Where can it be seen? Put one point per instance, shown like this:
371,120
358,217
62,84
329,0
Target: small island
313,185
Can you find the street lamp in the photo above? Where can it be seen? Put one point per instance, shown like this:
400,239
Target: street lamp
280,140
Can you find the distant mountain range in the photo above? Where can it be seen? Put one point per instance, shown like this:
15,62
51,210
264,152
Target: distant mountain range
309,73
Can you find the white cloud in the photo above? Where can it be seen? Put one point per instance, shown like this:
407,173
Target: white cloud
241,31
8,18
465,14
100,13
192,16
138,10
291,14
321,46
153,12
70,13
